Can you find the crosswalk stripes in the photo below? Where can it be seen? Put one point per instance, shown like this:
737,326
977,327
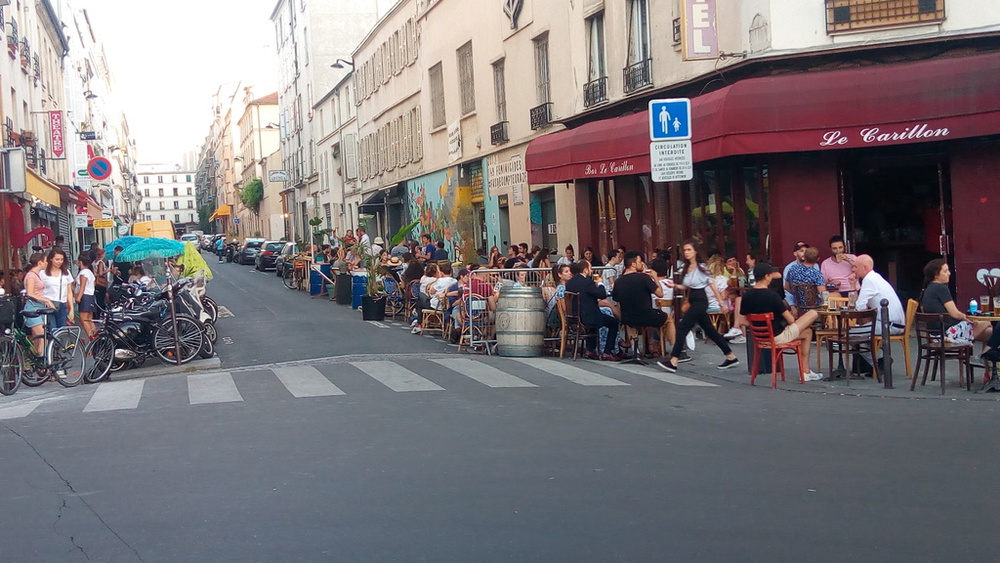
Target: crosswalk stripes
569,372
396,377
212,388
306,381
483,373
123,396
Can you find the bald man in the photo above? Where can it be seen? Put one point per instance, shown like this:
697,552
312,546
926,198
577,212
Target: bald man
874,288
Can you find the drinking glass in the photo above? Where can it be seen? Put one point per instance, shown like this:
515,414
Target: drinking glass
996,304
984,303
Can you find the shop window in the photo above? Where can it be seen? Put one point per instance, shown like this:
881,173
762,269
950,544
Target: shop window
854,15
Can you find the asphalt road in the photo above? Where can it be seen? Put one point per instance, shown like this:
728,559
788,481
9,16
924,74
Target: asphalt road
408,456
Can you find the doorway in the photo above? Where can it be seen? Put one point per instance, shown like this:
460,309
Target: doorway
897,212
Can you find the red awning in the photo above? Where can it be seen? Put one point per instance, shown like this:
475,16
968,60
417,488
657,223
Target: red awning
610,147
936,100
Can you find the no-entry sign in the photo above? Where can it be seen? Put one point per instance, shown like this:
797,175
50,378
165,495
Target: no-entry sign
99,168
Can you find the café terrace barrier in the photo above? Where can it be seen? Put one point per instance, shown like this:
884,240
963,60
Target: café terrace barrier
476,316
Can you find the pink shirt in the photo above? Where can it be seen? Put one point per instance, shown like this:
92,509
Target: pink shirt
838,272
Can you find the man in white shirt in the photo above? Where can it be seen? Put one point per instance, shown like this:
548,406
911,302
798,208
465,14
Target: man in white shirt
376,248
363,237
874,288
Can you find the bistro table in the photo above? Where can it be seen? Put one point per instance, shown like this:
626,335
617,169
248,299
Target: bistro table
993,385
828,313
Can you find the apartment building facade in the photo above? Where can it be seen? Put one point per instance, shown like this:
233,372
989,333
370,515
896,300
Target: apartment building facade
168,193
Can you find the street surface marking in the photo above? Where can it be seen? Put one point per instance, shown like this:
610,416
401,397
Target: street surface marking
396,377
566,371
378,324
306,381
227,340
652,371
19,410
483,373
212,388
225,312
116,396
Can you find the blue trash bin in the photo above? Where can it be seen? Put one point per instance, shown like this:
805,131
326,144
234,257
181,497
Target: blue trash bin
359,287
316,281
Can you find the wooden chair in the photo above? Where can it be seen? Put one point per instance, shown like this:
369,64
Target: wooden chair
668,327
395,301
932,347
829,329
911,309
720,321
855,335
433,319
807,297
572,326
763,339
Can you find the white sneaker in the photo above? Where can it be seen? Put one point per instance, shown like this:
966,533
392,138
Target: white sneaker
733,333
812,376
739,340
415,330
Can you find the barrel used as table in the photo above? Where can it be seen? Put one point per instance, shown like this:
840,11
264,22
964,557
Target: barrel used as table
520,322
358,288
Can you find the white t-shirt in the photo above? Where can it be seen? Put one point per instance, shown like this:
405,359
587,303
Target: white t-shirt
722,285
668,293
56,288
425,285
89,277
442,285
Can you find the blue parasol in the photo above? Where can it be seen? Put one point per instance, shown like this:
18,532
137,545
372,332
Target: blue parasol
123,242
151,248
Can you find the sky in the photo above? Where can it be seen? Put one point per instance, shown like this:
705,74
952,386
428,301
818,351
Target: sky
168,59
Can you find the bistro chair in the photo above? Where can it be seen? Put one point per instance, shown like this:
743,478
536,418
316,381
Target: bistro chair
667,326
828,328
572,326
933,348
635,335
434,319
395,302
410,297
763,339
855,335
807,297
911,309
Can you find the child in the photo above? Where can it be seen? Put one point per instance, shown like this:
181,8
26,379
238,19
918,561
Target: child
85,293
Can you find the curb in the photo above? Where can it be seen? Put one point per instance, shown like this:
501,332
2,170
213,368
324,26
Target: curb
212,363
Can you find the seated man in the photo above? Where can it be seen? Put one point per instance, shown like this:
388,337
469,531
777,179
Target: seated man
875,288
590,312
760,299
633,290
804,272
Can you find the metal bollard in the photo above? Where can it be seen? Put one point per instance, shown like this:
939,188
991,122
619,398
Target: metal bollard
886,346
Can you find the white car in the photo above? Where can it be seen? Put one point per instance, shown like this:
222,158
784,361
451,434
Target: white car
193,239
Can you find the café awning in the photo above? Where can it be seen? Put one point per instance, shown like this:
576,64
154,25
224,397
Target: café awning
42,189
876,105
221,211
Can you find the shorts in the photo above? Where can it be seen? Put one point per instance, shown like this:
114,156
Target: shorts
790,333
960,333
88,304
30,322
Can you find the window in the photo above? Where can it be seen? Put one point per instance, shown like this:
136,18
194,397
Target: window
189,189
175,192
542,69
851,15
162,205
148,206
437,96
163,217
159,179
177,205
500,90
161,192
145,179
173,179
177,217
466,80
146,192
595,47
638,31
189,179
191,217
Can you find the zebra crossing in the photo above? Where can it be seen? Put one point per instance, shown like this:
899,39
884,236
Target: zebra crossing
308,381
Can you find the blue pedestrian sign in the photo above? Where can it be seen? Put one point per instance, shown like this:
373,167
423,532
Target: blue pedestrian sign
670,120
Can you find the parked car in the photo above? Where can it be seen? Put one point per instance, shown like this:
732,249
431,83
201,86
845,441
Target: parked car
193,239
268,254
248,252
283,260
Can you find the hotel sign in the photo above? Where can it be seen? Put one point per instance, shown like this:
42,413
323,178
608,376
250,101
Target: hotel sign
700,34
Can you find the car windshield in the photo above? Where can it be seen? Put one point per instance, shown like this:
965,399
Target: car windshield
274,246
253,244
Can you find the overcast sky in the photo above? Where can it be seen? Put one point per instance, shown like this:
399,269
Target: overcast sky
169,58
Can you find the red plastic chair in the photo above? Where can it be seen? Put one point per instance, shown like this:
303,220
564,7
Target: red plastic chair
763,338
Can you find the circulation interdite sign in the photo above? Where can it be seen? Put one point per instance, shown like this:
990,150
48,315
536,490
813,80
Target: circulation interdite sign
99,168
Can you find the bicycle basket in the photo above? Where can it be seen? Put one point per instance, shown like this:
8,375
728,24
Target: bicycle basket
8,311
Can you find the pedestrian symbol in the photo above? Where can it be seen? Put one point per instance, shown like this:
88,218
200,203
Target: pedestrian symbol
670,119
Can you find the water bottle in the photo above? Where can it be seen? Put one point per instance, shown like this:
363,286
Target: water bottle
973,307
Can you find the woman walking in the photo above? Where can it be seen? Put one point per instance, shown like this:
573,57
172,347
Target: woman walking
697,282
85,294
35,290
58,288
100,269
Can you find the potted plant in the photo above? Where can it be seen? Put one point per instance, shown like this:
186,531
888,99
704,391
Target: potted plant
374,298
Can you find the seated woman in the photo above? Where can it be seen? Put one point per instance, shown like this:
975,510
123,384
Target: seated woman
936,298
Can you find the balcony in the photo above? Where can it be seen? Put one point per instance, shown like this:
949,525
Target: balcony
498,133
541,115
638,75
854,15
595,92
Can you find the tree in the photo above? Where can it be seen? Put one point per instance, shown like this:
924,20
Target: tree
252,194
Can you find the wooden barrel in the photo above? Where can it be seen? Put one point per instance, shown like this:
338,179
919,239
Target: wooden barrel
520,322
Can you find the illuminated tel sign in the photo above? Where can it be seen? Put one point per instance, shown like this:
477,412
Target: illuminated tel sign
700,38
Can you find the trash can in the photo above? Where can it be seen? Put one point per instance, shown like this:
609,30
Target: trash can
344,289
358,288
316,281
520,322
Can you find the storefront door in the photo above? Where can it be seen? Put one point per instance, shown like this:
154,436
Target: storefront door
898,211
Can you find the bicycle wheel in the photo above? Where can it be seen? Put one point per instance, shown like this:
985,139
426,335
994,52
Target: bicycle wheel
101,351
210,332
207,348
289,279
10,366
189,335
66,356
211,307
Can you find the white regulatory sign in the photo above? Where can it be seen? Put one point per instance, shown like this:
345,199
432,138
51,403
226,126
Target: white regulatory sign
670,161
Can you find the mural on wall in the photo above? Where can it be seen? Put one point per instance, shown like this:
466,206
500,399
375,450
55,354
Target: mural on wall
432,202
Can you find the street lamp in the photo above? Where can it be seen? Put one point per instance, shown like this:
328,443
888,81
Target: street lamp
339,63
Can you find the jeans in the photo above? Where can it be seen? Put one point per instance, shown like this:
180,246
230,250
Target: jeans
59,318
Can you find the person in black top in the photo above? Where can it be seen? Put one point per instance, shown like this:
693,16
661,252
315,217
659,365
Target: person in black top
762,299
440,254
634,290
936,298
590,311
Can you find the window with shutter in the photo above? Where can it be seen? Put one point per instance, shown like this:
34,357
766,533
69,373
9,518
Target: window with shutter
350,156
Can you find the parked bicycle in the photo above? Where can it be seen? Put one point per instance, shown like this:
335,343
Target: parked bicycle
63,359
